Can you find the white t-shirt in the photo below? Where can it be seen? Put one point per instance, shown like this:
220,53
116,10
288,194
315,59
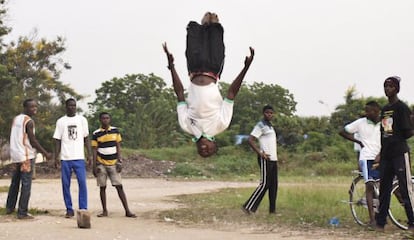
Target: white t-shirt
370,136
71,131
267,139
204,113
20,147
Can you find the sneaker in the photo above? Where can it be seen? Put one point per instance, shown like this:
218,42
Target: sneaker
25,217
69,214
9,211
214,18
206,18
379,228
246,211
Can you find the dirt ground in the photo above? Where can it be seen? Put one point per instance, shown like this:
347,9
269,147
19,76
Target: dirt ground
146,197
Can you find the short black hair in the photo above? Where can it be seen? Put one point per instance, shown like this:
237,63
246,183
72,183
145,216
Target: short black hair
267,107
26,102
373,104
70,100
104,113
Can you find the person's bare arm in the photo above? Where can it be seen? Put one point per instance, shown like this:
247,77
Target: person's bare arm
350,137
87,144
57,152
177,84
252,144
94,156
33,140
235,85
118,152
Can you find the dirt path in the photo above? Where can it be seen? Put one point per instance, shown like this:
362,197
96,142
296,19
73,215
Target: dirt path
144,195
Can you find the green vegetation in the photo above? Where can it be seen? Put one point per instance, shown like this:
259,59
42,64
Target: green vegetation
237,162
4,189
33,211
305,205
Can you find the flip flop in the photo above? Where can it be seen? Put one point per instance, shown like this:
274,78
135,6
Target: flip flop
131,215
102,215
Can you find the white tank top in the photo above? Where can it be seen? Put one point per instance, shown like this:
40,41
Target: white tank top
20,147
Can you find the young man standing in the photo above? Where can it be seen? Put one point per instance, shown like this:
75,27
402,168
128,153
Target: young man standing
265,133
396,128
23,146
369,138
204,113
71,136
106,146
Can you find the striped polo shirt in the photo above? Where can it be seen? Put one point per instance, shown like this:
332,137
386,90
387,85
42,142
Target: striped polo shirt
105,140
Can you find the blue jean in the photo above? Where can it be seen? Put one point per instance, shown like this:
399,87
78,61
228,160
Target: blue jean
26,180
77,166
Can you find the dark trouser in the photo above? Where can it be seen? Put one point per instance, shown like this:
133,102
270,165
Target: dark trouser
395,166
26,180
205,48
268,181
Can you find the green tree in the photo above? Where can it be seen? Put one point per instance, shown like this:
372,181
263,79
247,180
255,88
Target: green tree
251,99
30,68
142,107
352,109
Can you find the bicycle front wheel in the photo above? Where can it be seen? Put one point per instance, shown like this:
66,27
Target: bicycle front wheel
396,212
358,202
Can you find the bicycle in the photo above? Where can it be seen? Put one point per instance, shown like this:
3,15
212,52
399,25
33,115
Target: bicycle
359,208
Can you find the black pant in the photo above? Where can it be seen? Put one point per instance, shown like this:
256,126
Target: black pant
268,181
395,166
205,48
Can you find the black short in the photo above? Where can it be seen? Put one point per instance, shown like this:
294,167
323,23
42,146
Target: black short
205,48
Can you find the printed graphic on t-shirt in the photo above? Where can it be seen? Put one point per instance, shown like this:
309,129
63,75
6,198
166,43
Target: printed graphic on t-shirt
387,122
72,132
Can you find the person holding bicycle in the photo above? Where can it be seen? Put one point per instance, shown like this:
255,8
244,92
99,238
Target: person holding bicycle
396,128
368,130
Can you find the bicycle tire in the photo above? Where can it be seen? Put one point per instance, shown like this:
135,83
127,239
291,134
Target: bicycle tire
396,211
357,201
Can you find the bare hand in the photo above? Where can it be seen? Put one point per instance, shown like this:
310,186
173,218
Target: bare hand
377,159
249,59
118,167
57,163
95,171
48,156
265,156
169,56
89,162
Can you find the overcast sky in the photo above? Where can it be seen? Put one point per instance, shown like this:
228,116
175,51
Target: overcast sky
315,49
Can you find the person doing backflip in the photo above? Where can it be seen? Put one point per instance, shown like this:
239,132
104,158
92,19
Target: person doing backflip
205,113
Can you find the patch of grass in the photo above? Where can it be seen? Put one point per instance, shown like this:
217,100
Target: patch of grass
305,206
239,163
33,211
4,189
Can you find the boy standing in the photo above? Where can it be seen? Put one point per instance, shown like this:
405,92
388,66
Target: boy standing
265,133
396,128
369,138
106,146
71,136
23,146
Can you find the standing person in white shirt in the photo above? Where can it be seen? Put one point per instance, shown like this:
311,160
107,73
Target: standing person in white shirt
71,136
265,133
23,146
204,113
368,129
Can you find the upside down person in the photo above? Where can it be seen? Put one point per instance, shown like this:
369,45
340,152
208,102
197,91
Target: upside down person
205,113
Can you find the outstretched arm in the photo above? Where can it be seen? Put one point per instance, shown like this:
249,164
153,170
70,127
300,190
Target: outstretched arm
178,86
235,85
